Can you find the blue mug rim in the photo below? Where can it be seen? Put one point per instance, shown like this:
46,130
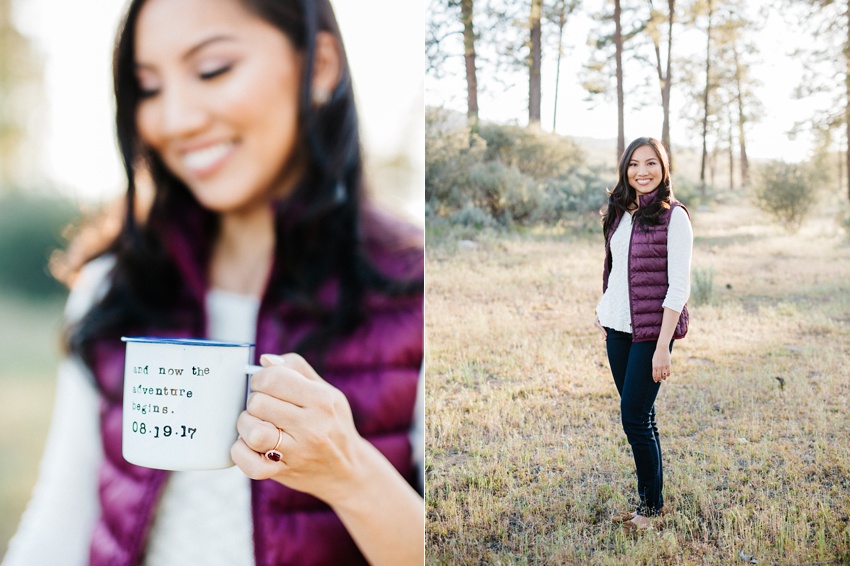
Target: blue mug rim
185,341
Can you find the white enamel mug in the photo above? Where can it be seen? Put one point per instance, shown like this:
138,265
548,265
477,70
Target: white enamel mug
181,401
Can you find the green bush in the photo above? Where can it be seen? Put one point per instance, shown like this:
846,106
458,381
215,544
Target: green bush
451,149
688,193
512,175
786,192
505,192
702,291
580,192
843,215
30,230
536,153
472,217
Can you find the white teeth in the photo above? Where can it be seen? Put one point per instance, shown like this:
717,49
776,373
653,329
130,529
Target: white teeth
203,158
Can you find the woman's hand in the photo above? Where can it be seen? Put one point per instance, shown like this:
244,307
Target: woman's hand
661,361
322,454
320,447
601,328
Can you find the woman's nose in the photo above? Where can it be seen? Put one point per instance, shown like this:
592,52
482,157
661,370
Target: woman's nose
182,114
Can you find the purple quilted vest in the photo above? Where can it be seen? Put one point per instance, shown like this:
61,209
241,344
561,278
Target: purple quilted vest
647,274
377,368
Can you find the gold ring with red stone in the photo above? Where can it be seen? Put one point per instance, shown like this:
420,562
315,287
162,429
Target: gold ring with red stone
274,455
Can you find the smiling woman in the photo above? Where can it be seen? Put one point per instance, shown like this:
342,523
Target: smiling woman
646,284
240,114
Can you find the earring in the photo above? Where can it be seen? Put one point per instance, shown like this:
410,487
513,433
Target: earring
321,96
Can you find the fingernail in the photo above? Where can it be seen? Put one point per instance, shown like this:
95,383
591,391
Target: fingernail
272,360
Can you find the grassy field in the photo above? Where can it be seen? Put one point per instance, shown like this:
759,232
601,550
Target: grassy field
29,350
526,459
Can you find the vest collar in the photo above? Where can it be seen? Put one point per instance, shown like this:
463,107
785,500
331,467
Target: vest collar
649,198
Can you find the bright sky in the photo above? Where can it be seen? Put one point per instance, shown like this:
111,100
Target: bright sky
779,74
76,40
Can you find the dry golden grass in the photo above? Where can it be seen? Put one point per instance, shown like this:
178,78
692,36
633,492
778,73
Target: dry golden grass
526,460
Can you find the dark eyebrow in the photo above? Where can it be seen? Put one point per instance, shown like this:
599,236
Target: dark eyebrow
197,47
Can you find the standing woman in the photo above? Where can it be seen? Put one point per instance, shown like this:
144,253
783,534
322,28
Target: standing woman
646,284
240,115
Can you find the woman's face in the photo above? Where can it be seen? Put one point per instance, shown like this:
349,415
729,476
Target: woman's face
644,170
219,104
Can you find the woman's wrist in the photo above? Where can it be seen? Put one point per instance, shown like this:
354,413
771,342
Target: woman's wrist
383,514
366,461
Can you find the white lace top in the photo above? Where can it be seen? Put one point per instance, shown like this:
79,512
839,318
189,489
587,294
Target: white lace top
614,310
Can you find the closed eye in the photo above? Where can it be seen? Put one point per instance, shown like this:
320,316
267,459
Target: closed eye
215,73
148,93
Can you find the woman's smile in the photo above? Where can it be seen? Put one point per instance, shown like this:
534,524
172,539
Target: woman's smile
205,161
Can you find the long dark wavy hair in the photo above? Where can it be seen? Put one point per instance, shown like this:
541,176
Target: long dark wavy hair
623,196
317,228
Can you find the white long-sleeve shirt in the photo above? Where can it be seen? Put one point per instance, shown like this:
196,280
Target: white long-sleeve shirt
614,309
203,517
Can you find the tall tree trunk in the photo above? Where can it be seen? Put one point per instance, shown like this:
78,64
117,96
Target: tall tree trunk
712,166
668,79
739,98
742,119
847,107
618,42
562,22
665,128
664,79
705,102
534,62
731,135
466,7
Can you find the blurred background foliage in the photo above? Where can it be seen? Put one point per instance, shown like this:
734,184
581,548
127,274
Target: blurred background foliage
31,230
32,224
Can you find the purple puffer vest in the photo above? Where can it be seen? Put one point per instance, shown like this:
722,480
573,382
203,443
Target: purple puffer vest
377,368
647,274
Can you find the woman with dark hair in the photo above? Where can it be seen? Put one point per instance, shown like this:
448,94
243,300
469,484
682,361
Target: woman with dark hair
645,284
240,117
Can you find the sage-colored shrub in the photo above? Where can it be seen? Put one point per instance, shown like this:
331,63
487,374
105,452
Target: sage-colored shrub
541,155
702,288
451,150
786,192
512,174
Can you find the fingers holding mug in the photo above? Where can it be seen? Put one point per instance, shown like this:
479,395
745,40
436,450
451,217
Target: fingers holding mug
261,448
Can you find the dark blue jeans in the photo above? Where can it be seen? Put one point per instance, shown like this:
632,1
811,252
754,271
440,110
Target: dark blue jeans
631,366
